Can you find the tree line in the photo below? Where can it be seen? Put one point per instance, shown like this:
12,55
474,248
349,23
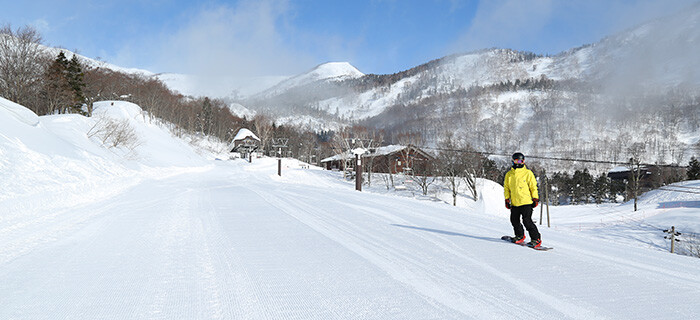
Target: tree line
583,187
48,81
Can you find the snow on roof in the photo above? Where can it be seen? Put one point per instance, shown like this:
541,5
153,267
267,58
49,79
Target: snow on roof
388,150
381,151
244,133
619,169
337,157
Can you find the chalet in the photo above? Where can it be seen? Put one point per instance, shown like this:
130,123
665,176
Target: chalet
245,142
398,159
389,159
624,173
339,161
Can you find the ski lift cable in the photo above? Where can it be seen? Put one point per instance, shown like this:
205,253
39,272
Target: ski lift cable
555,158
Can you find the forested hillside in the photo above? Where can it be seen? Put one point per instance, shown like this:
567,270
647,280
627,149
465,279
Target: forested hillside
634,92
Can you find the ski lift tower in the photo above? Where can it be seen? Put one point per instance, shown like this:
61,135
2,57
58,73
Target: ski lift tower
358,152
362,146
279,143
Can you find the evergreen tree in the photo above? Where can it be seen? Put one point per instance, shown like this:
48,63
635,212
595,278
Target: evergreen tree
600,188
617,187
582,186
64,84
561,187
693,169
56,90
76,81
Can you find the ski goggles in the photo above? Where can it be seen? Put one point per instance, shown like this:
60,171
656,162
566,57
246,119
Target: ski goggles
519,161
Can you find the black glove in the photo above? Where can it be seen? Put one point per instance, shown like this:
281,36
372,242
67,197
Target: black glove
535,201
507,203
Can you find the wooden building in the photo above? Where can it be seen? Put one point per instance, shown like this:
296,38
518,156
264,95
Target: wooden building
245,142
339,161
389,159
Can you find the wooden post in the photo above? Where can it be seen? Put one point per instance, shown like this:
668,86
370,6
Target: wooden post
358,172
279,167
546,197
673,238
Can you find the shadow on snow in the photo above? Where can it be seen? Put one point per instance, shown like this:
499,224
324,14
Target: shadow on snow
449,233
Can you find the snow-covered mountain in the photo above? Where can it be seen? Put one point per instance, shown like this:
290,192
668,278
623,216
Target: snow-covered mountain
639,86
331,71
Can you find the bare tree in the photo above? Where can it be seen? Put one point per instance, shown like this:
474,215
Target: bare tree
264,129
114,134
451,165
473,164
425,177
22,66
634,164
373,140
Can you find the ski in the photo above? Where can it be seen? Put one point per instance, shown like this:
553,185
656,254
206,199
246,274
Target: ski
512,240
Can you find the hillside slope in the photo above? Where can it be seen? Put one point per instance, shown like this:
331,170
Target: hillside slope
172,235
636,87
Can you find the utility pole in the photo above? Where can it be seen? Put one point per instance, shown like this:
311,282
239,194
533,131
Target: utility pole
358,170
361,147
546,198
672,234
279,143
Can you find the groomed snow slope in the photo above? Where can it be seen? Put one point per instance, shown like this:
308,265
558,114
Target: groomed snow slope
232,240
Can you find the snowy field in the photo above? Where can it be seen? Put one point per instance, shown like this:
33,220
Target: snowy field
164,230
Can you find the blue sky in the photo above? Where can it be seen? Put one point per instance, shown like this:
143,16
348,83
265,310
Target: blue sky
284,37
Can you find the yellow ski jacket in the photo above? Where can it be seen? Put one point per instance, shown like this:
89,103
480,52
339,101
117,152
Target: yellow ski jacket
520,186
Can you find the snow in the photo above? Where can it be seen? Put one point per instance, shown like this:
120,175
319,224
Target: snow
325,71
244,133
11,110
388,149
93,232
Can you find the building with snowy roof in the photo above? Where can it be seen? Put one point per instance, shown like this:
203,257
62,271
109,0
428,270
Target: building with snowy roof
244,142
388,159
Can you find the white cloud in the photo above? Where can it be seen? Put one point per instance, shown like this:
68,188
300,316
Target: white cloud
245,40
504,24
548,26
41,25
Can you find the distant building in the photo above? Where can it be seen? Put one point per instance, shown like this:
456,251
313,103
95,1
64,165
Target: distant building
244,143
389,159
339,161
398,159
624,173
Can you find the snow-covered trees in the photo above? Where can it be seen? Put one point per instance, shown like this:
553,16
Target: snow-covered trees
693,169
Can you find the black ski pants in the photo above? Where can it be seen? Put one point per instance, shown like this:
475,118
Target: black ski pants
526,213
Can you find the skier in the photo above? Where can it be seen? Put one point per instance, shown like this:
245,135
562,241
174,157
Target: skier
520,190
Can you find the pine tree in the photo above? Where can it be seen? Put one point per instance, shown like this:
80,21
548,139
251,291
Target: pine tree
76,80
600,188
582,183
694,169
64,85
57,91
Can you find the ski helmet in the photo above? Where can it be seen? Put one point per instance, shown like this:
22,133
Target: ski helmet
518,160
